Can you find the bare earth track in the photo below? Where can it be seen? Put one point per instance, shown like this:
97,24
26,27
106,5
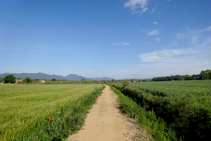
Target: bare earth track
105,122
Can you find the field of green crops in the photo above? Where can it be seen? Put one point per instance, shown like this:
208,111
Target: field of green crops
184,105
23,105
198,88
199,91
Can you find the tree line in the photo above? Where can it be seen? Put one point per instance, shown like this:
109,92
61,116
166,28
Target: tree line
12,79
204,75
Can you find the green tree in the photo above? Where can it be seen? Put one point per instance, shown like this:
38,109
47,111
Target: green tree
205,74
112,80
9,79
125,83
28,80
210,74
132,80
53,79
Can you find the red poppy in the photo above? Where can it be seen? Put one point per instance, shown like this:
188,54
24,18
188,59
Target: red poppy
51,115
49,118
52,118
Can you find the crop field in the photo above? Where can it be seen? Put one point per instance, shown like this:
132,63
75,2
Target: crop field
177,88
184,105
23,105
199,91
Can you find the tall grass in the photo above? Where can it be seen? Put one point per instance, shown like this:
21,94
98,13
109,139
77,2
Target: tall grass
156,126
187,117
25,110
184,89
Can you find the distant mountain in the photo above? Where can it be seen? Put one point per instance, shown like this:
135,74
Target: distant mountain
101,78
33,76
49,77
74,77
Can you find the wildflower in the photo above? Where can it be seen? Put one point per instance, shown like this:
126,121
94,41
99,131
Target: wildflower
52,118
51,115
49,118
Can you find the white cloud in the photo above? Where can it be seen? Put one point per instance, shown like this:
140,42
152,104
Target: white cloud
125,44
171,62
162,55
155,22
153,10
157,39
137,6
193,37
192,56
153,32
206,30
120,44
146,43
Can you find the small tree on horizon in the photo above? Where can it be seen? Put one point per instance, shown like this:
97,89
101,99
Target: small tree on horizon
9,79
28,80
125,83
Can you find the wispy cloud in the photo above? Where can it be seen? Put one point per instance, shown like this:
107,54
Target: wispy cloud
120,44
206,30
193,56
155,22
147,43
137,6
162,55
153,32
153,10
196,38
157,39
125,44
172,62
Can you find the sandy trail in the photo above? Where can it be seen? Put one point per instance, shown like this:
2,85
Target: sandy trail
105,122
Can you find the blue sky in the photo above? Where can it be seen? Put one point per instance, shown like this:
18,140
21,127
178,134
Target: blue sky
113,38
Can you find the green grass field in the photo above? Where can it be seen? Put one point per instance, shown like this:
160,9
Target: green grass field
197,91
179,88
184,105
23,105
183,89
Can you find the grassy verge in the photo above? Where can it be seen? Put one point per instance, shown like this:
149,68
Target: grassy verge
156,126
57,124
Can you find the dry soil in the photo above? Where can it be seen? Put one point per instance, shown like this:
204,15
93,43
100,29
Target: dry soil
105,122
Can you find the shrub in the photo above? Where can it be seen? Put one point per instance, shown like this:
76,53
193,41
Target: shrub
125,83
9,79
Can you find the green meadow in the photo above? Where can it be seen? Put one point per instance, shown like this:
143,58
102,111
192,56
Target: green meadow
22,106
185,106
183,89
179,88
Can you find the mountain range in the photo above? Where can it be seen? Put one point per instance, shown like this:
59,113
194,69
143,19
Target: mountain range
49,77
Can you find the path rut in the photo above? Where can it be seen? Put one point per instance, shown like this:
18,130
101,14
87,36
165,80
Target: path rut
105,122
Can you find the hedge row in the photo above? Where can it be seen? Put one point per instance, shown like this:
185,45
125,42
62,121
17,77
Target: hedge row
147,119
189,119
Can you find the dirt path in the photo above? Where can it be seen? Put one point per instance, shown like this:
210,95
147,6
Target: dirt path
105,122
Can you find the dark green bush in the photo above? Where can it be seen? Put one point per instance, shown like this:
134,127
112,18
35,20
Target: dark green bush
9,79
